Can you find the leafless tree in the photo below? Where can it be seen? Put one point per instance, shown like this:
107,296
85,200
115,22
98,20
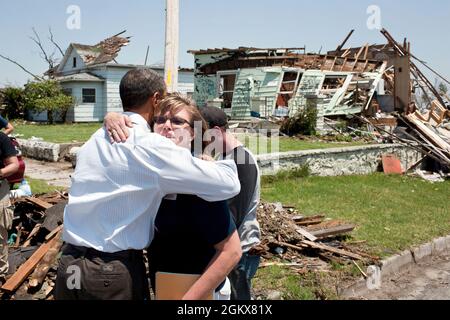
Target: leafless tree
21,67
54,42
49,58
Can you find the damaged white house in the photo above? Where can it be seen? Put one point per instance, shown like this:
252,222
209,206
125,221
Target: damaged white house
92,75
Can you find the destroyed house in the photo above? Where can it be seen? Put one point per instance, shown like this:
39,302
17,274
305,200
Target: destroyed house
92,75
252,82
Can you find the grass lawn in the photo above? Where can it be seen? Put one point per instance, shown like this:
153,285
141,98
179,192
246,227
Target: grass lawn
391,213
58,133
41,187
80,132
284,144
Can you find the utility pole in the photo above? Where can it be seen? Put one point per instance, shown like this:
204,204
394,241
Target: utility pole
171,47
146,55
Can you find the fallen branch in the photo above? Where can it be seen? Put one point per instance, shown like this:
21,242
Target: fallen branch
22,67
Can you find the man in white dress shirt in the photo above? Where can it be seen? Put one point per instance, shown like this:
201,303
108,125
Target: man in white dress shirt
115,195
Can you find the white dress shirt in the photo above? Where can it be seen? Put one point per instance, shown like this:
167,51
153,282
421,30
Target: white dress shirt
117,188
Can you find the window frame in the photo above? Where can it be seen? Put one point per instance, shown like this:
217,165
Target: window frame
83,96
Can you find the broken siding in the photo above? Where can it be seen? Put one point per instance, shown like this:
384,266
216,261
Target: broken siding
309,85
205,59
205,88
255,90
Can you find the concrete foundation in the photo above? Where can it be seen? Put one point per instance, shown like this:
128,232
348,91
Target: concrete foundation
358,160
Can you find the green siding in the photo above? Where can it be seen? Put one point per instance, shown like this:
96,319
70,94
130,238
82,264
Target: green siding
255,83
205,89
310,85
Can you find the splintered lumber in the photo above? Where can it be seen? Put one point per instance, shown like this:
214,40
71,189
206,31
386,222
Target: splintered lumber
306,234
45,264
39,202
25,270
31,235
52,233
280,264
340,252
429,134
304,221
333,231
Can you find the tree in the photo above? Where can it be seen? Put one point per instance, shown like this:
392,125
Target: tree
49,58
47,96
13,100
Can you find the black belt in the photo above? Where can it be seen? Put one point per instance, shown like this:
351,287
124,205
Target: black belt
85,251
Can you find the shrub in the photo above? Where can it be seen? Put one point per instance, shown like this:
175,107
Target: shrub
303,122
47,96
13,100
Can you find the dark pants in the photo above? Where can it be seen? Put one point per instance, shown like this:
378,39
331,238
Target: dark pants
241,277
88,274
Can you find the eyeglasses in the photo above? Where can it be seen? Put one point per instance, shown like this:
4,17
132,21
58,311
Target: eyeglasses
176,121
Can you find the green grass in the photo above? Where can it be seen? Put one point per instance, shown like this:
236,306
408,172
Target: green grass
260,145
293,286
41,187
58,133
392,213
80,132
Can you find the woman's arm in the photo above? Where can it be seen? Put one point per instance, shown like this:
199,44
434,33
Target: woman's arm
9,129
11,167
228,254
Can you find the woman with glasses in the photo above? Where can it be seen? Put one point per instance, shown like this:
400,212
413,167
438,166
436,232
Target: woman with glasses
192,236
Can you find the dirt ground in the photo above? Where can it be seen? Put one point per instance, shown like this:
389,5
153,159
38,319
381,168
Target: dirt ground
55,173
428,280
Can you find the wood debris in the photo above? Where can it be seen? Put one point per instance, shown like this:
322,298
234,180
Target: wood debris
296,238
33,264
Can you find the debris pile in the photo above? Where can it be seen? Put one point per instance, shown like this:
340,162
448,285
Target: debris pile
376,90
34,246
303,241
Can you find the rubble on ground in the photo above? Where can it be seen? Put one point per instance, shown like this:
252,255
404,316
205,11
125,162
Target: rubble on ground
305,243
34,247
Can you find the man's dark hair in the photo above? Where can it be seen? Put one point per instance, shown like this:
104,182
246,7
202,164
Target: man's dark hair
138,85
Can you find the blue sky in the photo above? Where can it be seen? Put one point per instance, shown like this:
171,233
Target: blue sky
214,23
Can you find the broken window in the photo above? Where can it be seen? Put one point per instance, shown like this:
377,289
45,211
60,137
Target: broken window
226,84
291,80
332,82
88,95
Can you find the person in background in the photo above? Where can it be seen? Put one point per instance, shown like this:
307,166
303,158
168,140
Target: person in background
5,124
244,205
9,164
